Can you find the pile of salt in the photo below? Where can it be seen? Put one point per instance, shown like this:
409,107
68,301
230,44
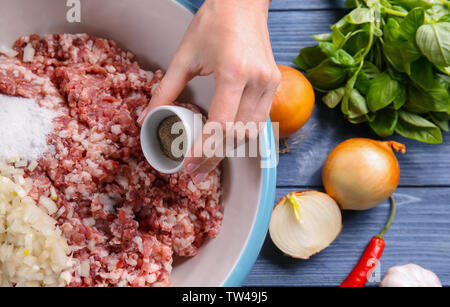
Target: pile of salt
24,128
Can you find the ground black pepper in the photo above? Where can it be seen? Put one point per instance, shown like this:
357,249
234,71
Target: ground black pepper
166,138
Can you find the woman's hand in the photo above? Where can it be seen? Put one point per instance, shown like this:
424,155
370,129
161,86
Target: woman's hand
230,40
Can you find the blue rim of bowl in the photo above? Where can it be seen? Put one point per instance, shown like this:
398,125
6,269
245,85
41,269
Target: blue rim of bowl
265,206
261,224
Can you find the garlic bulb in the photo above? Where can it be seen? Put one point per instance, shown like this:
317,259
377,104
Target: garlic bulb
410,275
304,223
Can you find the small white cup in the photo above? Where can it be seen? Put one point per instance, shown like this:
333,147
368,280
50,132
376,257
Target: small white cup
150,144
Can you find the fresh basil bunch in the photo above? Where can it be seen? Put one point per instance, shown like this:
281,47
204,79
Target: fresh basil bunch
387,63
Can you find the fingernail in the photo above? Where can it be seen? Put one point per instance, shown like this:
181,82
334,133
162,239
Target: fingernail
191,167
143,116
141,119
199,178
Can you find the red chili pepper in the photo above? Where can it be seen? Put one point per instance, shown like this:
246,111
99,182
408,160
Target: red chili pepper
363,270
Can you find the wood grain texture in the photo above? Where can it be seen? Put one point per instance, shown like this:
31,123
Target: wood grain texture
420,234
306,4
196,3
296,4
292,30
422,165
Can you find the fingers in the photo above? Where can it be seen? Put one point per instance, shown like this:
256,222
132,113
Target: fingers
249,104
257,100
207,151
246,126
170,87
265,103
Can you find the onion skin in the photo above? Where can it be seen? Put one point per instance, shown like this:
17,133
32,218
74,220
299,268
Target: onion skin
361,173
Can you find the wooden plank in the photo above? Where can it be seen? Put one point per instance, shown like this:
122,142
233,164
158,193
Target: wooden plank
420,234
196,3
296,4
292,30
423,165
306,4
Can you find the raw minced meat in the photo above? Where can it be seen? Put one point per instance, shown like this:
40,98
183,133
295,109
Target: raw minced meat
123,220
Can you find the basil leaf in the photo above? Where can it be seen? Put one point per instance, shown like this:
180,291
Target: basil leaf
440,95
363,83
324,37
329,49
357,105
412,21
348,90
370,69
343,58
445,70
433,41
398,51
338,56
327,75
309,57
367,73
350,4
438,12
359,16
382,92
333,98
422,73
434,100
441,120
358,120
444,79
341,24
384,123
445,18
415,127
400,100
337,37
356,42
410,4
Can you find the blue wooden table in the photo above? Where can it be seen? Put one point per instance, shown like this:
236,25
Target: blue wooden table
421,231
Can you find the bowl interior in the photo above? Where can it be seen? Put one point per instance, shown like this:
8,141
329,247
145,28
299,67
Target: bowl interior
152,30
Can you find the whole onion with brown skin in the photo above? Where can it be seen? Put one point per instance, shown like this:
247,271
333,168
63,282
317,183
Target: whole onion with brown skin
361,173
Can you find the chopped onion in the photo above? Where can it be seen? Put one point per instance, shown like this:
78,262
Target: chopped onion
12,159
85,268
89,222
32,249
304,223
33,164
53,194
8,51
21,163
28,53
48,204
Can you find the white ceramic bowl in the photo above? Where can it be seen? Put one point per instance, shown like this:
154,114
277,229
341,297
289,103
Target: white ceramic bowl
152,30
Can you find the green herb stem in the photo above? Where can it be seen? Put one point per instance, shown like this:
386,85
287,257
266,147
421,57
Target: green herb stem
395,13
369,45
